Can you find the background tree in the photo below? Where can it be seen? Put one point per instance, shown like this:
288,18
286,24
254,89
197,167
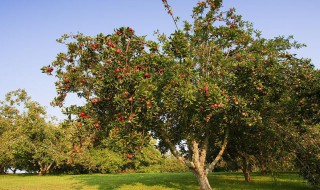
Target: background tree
29,141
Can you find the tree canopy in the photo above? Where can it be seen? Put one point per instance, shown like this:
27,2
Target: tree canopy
208,84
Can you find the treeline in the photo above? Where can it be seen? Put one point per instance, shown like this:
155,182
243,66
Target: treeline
31,141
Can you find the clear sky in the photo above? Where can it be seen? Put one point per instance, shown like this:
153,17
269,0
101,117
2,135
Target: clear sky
29,28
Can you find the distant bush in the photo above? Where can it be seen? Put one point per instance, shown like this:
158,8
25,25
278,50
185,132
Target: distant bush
173,165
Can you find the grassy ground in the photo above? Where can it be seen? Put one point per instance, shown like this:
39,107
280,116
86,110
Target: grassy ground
163,181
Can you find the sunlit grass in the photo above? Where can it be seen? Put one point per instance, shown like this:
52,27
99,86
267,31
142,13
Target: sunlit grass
162,181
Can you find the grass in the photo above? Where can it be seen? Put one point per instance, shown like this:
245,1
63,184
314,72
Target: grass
162,181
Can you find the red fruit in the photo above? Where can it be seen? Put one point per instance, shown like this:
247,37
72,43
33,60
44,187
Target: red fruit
129,156
205,88
117,70
94,46
83,80
131,30
118,32
201,108
147,75
94,100
97,125
183,76
79,125
118,76
213,105
118,51
160,70
219,105
130,99
243,113
139,67
49,69
66,80
81,114
110,44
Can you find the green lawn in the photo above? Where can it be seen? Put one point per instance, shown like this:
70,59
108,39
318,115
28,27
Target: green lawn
163,181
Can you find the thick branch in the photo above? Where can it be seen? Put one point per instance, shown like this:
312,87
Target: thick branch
203,153
195,155
176,153
218,157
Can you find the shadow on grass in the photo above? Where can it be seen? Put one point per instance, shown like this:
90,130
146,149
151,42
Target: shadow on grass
235,181
140,181
186,181
164,181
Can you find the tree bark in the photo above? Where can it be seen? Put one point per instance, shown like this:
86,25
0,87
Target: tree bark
219,156
44,168
199,159
264,169
197,164
41,171
203,181
2,170
246,169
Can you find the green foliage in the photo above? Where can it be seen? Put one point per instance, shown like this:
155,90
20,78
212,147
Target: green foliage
28,141
216,81
173,165
308,156
98,160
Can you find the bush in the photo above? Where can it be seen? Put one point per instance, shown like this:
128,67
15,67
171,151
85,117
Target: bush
173,165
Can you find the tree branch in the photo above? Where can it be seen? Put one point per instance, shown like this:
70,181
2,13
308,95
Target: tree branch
218,157
175,152
203,153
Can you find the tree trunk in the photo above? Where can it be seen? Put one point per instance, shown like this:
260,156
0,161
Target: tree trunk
263,163
2,170
203,182
246,169
197,164
44,168
264,169
247,176
41,172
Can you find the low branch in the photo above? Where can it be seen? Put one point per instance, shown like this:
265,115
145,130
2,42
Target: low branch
175,152
218,157
203,153
195,155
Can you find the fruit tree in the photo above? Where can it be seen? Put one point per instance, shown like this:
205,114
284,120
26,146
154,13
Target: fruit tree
189,90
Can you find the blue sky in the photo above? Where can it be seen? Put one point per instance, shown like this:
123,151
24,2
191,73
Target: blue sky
29,28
